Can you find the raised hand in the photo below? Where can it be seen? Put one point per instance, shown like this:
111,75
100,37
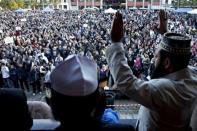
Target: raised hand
117,28
163,21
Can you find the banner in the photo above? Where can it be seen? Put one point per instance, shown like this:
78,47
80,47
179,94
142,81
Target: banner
9,40
18,28
23,19
85,25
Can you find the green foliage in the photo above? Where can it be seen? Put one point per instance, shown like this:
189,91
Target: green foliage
20,3
195,3
12,5
4,4
33,4
55,2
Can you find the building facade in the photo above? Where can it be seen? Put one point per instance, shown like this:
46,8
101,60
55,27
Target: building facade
55,4
63,5
104,4
154,4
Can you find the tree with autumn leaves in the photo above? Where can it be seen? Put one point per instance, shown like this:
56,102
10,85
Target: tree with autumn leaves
15,4
12,4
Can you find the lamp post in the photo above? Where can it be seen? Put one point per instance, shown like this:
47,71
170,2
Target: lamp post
101,4
84,3
143,3
126,5
77,4
151,4
92,3
42,4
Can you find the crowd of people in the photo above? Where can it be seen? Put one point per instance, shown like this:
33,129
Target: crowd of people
72,51
40,41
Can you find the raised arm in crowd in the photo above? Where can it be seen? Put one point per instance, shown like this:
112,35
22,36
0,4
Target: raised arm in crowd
168,99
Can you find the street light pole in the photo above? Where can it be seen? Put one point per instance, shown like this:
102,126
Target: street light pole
42,4
126,4
101,4
92,3
143,3
77,4
85,3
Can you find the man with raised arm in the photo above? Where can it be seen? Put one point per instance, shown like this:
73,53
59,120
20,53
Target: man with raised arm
168,99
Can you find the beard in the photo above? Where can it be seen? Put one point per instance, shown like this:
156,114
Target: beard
158,71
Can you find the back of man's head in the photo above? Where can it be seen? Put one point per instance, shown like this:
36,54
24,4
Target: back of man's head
75,93
177,47
14,110
39,110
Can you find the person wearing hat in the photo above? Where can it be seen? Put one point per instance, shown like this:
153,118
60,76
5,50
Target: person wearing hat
76,101
168,99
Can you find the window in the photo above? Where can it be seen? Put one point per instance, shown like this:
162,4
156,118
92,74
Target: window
55,6
65,6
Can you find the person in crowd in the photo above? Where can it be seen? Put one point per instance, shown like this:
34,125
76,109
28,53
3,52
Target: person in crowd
14,110
168,99
194,119
58,59
77,101
35,79
1,78
23,77
44,38
14,75
5,75
47,80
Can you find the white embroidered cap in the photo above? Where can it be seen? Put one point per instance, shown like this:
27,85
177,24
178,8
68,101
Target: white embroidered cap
76,76
176,43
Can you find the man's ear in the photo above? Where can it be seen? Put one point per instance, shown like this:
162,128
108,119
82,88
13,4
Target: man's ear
167,64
